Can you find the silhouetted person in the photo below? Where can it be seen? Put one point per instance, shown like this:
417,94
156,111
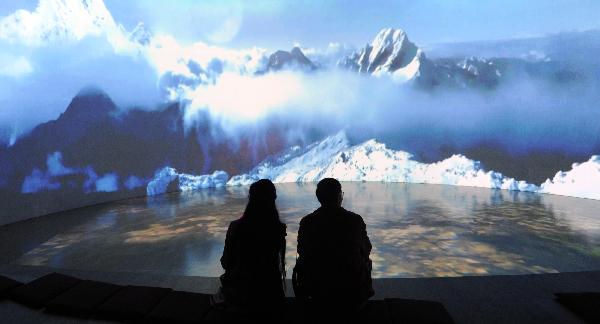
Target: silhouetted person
333,268
254,253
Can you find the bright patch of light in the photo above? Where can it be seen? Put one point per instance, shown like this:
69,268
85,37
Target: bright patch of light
227,31
238,97
14,66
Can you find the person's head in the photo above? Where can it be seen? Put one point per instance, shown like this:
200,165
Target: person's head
329,192
261,202
262,190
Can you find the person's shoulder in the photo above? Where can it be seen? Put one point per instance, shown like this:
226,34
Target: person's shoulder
234,224
308,218
352,215
283,228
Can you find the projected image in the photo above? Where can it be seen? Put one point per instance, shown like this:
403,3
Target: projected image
102,100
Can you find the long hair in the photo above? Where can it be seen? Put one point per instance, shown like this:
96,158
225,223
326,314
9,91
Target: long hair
261,214
261,206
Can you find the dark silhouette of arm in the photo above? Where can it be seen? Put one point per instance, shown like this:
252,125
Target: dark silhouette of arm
301,239
227,257
298,276
367,247
365,239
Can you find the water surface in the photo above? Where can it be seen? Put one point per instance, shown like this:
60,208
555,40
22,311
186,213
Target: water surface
416,231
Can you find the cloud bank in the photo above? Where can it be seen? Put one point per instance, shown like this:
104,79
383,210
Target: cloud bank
85,45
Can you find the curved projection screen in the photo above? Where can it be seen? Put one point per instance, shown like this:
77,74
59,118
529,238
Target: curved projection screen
102,100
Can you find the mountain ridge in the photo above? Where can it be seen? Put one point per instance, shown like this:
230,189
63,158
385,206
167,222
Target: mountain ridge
335,157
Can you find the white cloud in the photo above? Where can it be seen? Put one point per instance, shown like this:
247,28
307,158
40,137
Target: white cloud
245,98
329,56
166,54
14,66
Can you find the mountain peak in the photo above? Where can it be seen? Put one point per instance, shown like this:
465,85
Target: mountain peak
292,59
388,36
296,50
390,52
90,104
91,91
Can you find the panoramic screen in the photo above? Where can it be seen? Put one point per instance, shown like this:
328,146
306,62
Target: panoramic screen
107,99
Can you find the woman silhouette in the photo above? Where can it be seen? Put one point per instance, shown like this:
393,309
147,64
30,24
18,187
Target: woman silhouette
254,253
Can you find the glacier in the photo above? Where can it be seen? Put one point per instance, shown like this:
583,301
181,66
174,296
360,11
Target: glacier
184,182
372,161
583,180
334,157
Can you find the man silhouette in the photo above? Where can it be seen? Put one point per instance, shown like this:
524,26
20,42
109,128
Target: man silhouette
333,268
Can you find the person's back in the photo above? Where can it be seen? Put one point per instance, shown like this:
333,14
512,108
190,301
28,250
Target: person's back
253,256
333,252
252,261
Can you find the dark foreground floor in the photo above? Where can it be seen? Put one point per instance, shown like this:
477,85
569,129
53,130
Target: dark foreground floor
486,299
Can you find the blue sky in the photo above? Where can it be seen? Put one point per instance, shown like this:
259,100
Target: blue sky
280,23
277,23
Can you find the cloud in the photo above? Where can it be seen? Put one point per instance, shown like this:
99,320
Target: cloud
244,98
40,180
85,46
201,61
75,44
107,183
225,84
133,182
56,167
329,56
14,66
520,115
95,183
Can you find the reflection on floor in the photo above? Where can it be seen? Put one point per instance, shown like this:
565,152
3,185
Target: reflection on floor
416,230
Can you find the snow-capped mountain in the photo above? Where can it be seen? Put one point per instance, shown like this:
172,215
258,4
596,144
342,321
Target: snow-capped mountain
390,53
58,20
373,161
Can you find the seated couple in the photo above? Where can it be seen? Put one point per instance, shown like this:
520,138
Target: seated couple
332,267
